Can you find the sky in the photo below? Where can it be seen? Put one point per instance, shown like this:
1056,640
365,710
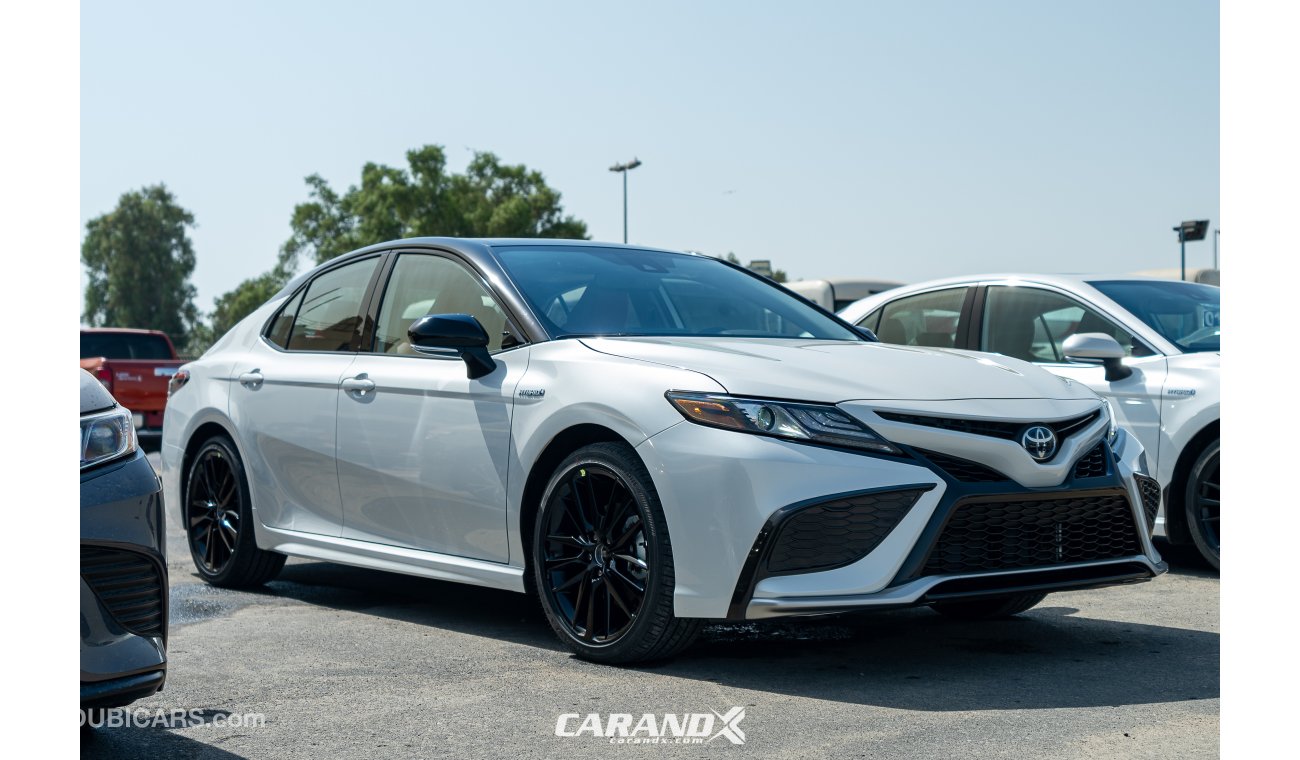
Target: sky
891,140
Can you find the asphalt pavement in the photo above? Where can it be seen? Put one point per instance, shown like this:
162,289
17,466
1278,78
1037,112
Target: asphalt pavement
333,661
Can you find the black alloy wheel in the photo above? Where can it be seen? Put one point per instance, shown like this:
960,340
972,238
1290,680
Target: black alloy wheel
218,520
595,556
1202,502
214,500
602,560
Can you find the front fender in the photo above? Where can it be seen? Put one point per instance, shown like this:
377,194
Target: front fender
567,385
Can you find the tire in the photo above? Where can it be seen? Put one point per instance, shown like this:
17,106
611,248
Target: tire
988,609
591,562
224,551
1201,503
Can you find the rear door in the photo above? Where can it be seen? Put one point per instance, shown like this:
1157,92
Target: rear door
284,399
934,318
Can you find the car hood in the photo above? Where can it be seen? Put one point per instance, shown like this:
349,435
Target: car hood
835,371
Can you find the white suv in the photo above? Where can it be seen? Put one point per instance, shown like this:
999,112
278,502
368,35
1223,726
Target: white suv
645,439
1149,346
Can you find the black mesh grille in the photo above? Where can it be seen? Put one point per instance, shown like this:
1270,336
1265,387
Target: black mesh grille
1093,464
130,586
999,535
1009,430
837,533
964,469
1150,488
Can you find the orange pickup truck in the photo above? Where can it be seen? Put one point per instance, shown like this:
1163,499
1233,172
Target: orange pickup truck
135,366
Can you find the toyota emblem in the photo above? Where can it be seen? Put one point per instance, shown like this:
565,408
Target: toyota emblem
1039,441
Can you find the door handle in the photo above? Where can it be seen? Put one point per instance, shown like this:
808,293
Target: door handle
251,379
359,385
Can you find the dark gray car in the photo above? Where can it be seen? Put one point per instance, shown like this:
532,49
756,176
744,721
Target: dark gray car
123,570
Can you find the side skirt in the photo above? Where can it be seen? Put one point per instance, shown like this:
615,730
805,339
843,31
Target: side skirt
393,559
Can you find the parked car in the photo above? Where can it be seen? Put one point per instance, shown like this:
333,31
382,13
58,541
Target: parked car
836,293
123,570
135,366
1150,346
647,439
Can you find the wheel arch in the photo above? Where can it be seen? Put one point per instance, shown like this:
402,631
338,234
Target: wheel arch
201,435
560,446
1175,520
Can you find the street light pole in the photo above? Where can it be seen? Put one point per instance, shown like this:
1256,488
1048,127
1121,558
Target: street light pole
1182,255
1192,230
624,169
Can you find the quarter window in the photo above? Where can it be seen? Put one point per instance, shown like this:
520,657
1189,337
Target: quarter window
283,322
329,318
1032,324
925,319
421,285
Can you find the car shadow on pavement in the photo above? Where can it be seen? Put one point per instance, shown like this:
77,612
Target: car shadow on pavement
1047,658
147,741
503,615
1050,657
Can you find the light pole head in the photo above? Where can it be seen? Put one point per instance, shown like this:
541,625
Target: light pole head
1192,230
630,165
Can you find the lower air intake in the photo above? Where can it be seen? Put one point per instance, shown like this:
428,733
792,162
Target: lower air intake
837,533
1005,533
129,584
1150,488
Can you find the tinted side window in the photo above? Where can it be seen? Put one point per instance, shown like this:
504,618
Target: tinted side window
329,318
1032,324
279,332
925,319
422,284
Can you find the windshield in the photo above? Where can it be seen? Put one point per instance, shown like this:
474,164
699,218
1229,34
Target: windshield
620,291
1185,313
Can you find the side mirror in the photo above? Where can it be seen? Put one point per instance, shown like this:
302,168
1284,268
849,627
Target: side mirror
867,333
1092,348
462,333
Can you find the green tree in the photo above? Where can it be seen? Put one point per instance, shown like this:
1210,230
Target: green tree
139,259
236,304
490,199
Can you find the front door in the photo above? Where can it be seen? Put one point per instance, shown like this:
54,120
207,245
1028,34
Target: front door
1032,323
423,450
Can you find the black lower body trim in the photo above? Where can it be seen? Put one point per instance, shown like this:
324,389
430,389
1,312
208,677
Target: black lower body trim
1046,580
116,692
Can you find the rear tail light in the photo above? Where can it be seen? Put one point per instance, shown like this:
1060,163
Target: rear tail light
105,376
177,381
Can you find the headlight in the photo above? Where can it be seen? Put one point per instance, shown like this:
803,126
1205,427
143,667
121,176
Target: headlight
811,423
107,435
1112,425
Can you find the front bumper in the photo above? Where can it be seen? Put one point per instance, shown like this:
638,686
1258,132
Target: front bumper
123,583
726,494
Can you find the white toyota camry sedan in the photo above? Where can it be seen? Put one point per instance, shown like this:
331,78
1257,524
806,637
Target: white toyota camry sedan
644,440
1150,347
